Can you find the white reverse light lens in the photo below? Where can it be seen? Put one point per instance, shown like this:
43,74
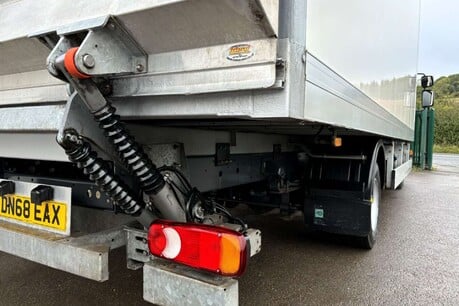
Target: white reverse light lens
173,243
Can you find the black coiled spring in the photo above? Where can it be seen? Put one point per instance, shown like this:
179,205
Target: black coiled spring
80,153
130,152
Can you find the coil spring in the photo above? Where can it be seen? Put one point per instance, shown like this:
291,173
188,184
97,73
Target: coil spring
80,153
130,152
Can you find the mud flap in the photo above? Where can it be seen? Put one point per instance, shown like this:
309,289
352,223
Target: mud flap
338,212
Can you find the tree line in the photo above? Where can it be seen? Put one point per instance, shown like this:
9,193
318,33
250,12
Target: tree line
446,94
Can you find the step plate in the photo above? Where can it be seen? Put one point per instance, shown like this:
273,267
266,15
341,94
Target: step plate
166,283
86,256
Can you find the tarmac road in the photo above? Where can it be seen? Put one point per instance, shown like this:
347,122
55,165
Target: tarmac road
415,261
446,162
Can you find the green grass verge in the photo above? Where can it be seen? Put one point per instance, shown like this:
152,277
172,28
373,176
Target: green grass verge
446,149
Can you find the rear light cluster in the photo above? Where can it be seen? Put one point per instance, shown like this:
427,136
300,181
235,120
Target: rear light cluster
210,248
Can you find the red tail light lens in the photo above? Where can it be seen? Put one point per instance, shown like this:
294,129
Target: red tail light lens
211,248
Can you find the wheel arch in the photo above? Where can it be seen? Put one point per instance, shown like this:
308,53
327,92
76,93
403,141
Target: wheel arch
378,158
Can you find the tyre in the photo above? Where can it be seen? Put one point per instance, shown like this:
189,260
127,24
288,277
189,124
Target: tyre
399,187
369,241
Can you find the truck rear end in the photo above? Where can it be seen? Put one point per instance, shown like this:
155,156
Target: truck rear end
145,123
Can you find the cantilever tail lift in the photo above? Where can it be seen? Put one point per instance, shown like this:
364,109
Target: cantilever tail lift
85,55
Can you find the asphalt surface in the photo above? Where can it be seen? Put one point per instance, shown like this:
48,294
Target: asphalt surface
415,261
446,162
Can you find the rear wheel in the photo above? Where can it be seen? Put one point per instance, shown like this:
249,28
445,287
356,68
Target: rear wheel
369,240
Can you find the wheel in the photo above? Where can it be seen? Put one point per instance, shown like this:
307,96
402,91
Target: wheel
369,241
399,187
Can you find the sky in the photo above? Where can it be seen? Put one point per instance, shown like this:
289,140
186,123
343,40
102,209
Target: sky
439,37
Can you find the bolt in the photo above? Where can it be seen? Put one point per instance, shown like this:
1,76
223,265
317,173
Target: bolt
111,26
88,61
139,67
72,137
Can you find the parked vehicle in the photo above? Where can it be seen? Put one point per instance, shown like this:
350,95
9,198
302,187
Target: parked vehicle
144,122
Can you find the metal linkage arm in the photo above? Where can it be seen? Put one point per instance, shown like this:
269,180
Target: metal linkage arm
63,62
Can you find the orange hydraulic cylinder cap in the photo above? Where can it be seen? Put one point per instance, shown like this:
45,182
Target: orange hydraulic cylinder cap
70,66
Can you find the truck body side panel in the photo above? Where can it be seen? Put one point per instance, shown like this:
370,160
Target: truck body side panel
309,63
372,45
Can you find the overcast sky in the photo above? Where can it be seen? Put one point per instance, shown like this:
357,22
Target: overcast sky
439,41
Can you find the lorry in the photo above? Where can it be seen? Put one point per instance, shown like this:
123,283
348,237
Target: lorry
144,123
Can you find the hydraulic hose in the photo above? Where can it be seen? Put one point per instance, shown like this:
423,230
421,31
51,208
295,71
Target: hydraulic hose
130,152
134,158
80,153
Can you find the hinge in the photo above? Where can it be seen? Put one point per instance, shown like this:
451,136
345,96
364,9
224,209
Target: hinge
105,47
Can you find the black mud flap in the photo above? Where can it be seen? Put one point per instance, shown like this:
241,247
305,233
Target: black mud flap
338,212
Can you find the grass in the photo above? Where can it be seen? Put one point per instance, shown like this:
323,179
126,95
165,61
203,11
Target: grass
446,149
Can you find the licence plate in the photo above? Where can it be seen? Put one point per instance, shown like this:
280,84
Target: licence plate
52,216
48,214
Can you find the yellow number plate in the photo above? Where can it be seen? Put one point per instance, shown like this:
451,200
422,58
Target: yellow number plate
47,214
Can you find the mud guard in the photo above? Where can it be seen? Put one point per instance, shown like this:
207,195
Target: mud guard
338,193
